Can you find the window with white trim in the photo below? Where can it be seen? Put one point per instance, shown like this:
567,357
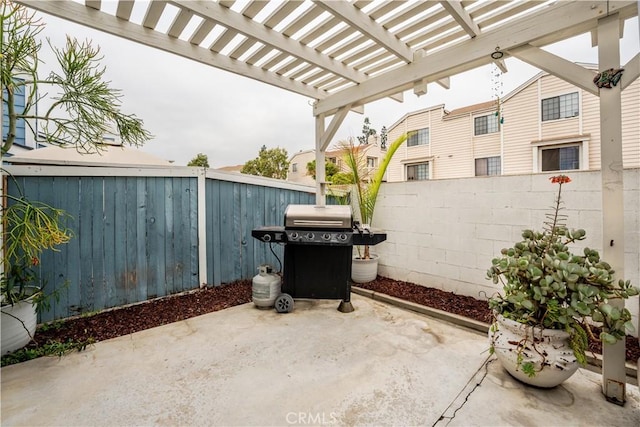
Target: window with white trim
418,137
560,158
488,166
372,162
418,172
560,107
485,124
294,167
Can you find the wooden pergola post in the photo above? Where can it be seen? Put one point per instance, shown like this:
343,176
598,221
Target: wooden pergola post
320,172
613,369
323,138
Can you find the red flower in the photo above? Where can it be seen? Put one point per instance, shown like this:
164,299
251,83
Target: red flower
560,179
35,261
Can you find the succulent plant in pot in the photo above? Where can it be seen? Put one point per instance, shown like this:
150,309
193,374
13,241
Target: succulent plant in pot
551,300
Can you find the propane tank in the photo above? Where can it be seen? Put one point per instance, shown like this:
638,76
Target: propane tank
266,287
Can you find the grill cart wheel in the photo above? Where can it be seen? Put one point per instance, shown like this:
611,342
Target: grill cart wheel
284,303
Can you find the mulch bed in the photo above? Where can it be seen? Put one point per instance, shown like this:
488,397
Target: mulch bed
122,321
149,314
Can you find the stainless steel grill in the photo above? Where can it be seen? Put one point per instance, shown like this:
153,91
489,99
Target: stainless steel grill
318,225
317,255
331,217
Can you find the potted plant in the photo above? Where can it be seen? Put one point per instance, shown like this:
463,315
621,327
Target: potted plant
83,110
30,228
19,292
365,264
551,301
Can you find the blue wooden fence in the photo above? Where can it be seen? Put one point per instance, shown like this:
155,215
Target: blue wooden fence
137,238
233,210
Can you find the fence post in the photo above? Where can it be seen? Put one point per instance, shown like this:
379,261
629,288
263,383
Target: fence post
202,227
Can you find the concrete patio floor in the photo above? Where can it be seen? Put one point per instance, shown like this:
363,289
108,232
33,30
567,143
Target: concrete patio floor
380,365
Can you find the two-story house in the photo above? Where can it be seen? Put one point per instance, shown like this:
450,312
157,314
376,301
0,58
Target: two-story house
298,162
546,124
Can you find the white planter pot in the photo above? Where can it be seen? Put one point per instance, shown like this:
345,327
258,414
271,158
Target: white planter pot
14,334
364,270
547,349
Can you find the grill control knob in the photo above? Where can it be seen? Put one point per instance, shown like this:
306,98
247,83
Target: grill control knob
310,236
342,237
294,235
266,238
326,236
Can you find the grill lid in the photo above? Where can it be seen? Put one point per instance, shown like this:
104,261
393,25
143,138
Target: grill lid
318,217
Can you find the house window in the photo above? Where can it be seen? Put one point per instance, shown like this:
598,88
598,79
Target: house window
485,124
371,162
332,160
561,158
560,107
418,172
18,103
488,166
294,167
418,137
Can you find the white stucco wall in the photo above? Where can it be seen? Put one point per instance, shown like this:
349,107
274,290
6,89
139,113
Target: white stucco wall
444,233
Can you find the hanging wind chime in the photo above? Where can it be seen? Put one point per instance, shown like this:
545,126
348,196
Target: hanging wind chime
497,92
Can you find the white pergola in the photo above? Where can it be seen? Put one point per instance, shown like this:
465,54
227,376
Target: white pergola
345,54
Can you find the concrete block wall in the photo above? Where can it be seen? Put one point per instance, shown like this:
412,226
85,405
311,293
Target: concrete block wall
444,233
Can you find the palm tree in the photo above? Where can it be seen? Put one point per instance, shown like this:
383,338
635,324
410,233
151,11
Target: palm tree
366,186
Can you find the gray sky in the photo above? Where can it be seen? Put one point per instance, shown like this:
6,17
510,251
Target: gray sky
192,108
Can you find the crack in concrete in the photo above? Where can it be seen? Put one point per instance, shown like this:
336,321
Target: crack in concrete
479,381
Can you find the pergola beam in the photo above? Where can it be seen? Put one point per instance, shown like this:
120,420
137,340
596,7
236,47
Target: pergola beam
83,15
367,26
125,7
227,18
461,16
557,22
560,67
501,64
333,127
631,71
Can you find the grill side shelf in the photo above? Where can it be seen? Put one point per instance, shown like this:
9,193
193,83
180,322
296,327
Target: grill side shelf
274,234
372,238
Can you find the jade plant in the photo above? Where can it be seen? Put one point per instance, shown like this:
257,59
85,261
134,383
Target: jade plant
545,285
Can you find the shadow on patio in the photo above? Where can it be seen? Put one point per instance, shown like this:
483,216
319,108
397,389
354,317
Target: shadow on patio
380,365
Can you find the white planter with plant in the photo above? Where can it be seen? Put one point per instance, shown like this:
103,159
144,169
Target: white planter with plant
364,270
548,291
21,298
32,227
366,189
545,357
84,108
18,324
